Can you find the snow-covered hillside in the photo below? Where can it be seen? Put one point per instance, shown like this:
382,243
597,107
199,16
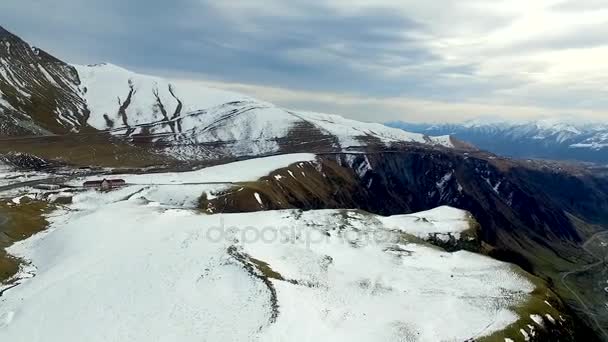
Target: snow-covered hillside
549,138
41,95
188,115
134,264
442,222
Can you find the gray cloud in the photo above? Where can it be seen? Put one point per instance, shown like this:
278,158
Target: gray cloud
388,50
319,49
580,5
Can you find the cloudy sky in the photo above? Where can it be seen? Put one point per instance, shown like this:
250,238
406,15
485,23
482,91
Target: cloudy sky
412,60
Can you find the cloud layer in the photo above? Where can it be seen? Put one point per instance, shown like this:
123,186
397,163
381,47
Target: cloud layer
376,60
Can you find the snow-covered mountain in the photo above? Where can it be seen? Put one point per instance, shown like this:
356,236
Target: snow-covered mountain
545,139
183,115
140,264
40,95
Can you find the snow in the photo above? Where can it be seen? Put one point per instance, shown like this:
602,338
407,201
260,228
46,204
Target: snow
538,320
496,187
129,270
525,334
363,168
140,264
184,188
444,180
573,133
105,83
17,200
47,75
8,176
442,222
550,318
151,284
3,103
245,170
346,130
9,77
207,115
257,198
593,146
365,280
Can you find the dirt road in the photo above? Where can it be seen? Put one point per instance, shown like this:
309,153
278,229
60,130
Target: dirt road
602,260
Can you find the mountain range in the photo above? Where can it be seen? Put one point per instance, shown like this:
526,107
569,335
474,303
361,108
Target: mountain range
251,161
41,95
544,139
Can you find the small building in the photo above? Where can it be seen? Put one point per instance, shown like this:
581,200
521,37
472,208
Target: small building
105,184
47,187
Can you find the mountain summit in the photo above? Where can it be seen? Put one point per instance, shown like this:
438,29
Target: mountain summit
38,93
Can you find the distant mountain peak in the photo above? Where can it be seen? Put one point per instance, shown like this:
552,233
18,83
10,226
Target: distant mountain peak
10,39
544,139
5,33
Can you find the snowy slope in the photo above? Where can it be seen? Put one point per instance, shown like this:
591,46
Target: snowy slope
183,189
182,115
128,267
441,221
107,86
41,95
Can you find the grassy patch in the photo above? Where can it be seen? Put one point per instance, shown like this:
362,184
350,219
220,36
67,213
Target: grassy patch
18,222
301,185
536,304
265,269
87,150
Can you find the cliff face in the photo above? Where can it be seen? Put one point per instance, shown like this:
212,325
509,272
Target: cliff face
522,218
521,214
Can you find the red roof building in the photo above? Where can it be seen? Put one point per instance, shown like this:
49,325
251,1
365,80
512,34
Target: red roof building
105,184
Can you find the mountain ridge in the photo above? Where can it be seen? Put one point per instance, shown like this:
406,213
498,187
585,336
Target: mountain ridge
526,216
542,139
41,95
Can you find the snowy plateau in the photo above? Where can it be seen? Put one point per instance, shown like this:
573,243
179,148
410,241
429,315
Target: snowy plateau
142,264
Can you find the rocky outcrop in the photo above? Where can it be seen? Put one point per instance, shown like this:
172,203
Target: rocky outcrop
38,93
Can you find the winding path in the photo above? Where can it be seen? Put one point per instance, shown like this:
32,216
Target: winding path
603,260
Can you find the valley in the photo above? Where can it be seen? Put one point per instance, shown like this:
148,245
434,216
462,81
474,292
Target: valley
590,283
